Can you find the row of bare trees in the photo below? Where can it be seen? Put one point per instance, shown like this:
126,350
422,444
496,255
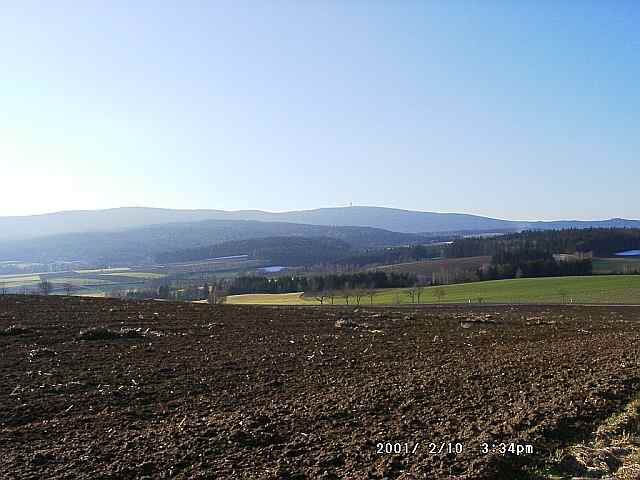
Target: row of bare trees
356,297
217,295
45,287
416,293
351,297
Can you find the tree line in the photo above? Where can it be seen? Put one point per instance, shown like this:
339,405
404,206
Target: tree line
391,255
320,283
530,253
303,251
513,266
604,242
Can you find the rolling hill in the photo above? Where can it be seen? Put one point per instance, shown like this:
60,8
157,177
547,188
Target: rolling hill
83,221
397,220
141,245
125,235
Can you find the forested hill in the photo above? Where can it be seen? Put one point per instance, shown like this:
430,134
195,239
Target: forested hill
285,251
142,245
604,242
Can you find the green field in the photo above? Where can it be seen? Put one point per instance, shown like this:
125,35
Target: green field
105,270
594,289
136,275
78,281
91,293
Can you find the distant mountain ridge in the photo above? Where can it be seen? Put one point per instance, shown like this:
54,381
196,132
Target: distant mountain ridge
392,219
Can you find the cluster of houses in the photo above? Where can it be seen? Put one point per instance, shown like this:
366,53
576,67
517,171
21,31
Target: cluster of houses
573,257
588,255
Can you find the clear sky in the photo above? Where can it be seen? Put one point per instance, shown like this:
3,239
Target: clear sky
511,109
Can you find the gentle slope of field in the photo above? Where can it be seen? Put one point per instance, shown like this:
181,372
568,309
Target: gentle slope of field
271,299
18,280
136,275
428,267
623,289
78,279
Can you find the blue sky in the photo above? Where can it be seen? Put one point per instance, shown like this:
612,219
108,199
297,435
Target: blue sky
519,110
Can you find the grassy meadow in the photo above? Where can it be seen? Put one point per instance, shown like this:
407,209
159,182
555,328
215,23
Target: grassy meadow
624,289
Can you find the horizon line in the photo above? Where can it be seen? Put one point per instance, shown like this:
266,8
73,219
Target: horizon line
132,207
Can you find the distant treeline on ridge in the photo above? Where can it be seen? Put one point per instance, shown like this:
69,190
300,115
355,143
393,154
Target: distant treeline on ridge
320,283
603,242
530,253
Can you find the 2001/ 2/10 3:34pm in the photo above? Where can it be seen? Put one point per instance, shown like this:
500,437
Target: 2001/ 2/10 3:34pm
453,448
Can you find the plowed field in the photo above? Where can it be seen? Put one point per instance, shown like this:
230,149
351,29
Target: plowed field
99,388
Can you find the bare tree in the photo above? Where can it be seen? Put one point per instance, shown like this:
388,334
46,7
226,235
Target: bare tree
563,294
358,294
68,288
45,287
3,288
412,294
119,293
419,292
331,295
216,296
440,293
320,297
371,293
346,294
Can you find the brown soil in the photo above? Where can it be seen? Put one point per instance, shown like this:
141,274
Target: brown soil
98,388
